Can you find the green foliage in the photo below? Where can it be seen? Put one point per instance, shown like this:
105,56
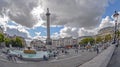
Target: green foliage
99,39
15,42
118,34
108,38
19,42
7,41
1,37
85,41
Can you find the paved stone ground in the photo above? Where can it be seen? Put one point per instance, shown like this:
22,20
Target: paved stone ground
115,60
72,60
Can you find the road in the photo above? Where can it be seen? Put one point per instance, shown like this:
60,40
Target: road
66,62
115,60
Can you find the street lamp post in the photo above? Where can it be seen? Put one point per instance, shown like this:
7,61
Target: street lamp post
116,26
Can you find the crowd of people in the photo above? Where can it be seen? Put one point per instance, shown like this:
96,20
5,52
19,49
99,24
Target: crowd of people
11,57
63,51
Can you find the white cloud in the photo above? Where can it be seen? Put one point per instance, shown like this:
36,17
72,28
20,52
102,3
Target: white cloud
74,31
42,38
69,31
15,29
85,32
79,17
106,22
3,21
19,31
23,12
76,13
119,17
56,35
37,33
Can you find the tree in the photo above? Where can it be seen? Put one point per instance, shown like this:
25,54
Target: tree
108,37
85,41
118,34
7,41
19,42
13,42
1,37
98,39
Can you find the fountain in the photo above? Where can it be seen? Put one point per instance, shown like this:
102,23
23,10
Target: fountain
29,53
29,49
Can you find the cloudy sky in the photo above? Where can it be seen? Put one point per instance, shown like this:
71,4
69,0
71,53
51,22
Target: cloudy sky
75,18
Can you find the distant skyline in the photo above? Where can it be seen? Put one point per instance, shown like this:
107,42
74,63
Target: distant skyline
68,17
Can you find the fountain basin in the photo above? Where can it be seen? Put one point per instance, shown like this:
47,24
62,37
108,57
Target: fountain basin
32,57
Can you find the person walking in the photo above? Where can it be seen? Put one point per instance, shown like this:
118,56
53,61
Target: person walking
14,58
97,49
76,50
45,58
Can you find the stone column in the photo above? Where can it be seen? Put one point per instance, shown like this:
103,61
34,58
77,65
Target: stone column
48,40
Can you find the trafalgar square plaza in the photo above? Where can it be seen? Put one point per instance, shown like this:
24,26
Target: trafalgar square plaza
59,33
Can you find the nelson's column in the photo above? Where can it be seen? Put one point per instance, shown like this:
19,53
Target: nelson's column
48,40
